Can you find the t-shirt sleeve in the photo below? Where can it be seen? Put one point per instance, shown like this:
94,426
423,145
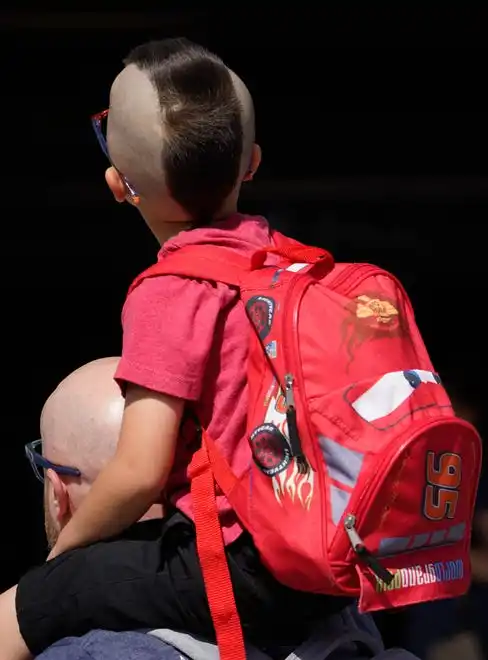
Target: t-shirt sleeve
168,328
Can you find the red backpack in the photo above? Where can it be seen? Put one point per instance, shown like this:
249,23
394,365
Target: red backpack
361,479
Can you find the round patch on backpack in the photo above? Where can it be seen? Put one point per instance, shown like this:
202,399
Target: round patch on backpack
261,311
270,449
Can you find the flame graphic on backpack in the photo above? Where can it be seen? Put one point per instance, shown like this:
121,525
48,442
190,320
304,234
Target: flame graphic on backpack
288,482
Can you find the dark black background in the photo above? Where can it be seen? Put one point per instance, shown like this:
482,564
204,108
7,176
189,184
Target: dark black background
374,131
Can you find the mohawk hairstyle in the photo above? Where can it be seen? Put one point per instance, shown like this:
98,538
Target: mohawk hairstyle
201,114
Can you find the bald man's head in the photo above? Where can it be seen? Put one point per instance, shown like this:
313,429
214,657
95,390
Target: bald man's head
80,427
181,124
81,420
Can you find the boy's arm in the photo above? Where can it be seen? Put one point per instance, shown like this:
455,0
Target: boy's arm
134,478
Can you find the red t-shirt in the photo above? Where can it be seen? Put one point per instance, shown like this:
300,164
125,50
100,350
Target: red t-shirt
189,339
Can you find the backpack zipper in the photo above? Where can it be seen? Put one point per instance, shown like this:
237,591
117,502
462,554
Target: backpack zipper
291,418
289,332
363,553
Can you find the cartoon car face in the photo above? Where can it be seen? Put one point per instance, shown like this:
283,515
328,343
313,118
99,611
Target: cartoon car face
395,396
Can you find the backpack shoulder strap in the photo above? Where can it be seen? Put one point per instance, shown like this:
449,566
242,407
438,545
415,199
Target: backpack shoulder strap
202,262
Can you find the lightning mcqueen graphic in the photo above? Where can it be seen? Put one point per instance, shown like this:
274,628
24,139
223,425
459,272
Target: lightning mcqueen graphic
395,396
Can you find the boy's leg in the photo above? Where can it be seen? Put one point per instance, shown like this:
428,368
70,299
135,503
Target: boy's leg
12,646
138,583
123,584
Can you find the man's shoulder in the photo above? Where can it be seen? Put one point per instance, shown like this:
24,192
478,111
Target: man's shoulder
105,645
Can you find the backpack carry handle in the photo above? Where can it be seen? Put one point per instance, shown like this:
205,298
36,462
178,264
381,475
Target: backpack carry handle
296,253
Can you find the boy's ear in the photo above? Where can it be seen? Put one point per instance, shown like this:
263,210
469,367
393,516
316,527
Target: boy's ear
116,184
254,164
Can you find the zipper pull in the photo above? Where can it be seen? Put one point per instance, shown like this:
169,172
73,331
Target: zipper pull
289,396
291,418
363,553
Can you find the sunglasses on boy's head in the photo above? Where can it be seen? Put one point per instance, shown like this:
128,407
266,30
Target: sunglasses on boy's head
33,451
99,122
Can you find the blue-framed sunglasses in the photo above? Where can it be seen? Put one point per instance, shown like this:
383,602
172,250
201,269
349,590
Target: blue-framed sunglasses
98,122
33,451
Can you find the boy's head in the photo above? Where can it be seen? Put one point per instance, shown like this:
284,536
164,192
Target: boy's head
180,129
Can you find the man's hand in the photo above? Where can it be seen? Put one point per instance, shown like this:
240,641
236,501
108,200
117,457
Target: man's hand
135,477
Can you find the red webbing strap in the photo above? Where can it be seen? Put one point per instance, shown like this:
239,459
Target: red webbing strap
294,254
213,561
202,262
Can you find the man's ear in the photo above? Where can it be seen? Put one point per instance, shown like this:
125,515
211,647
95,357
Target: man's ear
59,500
255,162
116,185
